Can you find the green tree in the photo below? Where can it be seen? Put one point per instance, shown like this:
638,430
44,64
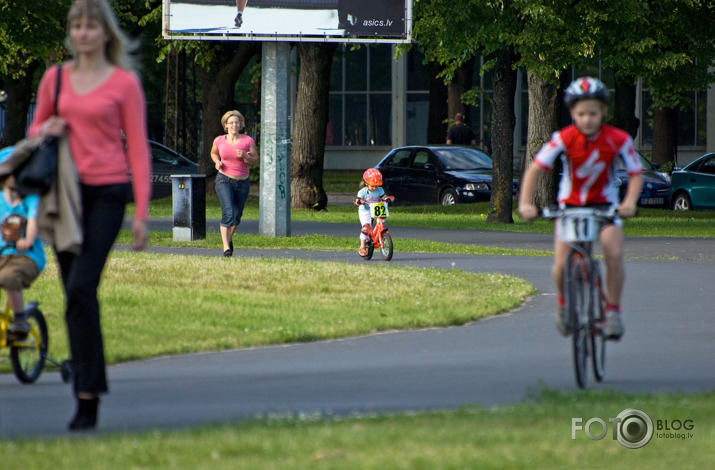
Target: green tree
681,59
31,33
311,121
554,36
452,33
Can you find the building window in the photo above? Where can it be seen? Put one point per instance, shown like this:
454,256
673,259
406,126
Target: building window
417,98
360,97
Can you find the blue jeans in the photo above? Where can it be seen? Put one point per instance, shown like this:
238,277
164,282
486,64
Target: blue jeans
233,195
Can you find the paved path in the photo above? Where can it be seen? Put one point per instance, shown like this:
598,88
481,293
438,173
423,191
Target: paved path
701,249
668,346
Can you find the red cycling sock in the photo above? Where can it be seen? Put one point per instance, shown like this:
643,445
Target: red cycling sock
560,300
616,307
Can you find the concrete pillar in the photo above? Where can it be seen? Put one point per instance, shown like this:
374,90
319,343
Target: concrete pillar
274,206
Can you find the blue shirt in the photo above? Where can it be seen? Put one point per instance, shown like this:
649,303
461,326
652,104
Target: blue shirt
28,209
370,196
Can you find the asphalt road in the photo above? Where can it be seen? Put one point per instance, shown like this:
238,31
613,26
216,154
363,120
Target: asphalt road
668,346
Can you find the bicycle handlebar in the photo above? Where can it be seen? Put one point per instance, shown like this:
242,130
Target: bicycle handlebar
555,212
358,201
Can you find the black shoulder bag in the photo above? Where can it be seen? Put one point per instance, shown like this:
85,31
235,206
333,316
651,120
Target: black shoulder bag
38,172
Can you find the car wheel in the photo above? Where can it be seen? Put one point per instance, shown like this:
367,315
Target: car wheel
449,197
682,203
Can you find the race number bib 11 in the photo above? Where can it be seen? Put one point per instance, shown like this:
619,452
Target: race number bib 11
578,228
378,210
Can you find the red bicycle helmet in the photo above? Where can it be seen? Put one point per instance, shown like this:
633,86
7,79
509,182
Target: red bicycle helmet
373,177
585,88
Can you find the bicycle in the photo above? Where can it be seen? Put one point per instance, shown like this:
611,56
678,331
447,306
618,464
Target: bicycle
585,296
379,236
28,354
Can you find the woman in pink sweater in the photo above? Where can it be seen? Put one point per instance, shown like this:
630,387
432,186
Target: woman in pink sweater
232,153
100,101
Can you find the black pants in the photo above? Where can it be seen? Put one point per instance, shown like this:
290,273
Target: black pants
103,213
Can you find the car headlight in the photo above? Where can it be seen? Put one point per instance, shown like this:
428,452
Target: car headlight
476,187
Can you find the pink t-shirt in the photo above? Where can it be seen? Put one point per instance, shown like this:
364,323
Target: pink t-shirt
95,122
231,165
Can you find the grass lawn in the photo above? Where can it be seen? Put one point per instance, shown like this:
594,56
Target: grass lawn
535,434
277,301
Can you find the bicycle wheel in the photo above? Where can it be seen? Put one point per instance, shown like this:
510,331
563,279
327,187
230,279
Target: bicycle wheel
386,247
28,355
596,318
370,247
577,291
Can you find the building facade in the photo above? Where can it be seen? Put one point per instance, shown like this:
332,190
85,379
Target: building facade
377,103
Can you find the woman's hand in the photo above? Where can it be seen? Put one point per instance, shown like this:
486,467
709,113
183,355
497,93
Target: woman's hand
54,126
218,165
139,234
243,155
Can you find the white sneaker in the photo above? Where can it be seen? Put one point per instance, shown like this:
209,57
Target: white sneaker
614,325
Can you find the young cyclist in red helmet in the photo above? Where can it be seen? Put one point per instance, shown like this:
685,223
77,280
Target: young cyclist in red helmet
589,150
371,192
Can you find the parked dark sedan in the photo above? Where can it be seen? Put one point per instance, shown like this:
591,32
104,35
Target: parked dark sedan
693,186
656,187
164,163
437,175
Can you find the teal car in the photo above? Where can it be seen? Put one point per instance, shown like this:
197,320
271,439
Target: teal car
693,186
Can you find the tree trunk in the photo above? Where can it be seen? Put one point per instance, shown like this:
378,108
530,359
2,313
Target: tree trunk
217,95
438,114
461,82
19,95
544,115
503,122
624,116
311,122
665,135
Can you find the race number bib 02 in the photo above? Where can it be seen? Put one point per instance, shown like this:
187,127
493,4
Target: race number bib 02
378,210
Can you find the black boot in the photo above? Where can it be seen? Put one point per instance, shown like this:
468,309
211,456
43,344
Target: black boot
86,416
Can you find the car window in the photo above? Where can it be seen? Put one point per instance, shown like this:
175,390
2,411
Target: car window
708,166
422,157
399,159
459,158
159,155
645,164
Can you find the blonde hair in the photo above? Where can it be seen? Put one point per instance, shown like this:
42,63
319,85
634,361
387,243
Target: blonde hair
229,114
119,46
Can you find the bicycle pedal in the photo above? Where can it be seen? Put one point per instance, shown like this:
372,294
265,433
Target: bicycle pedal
11,337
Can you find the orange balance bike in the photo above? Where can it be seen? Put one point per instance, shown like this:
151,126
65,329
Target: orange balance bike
379,235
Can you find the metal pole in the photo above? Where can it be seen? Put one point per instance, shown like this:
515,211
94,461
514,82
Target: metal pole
274,205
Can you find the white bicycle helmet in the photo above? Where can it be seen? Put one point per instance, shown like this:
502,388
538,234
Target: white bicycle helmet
585,88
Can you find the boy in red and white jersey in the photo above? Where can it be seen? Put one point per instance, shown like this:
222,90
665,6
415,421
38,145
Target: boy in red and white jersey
589,150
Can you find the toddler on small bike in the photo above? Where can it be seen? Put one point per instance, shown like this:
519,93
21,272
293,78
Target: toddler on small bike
22,256
371,192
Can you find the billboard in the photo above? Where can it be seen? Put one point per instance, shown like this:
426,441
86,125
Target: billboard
366,21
